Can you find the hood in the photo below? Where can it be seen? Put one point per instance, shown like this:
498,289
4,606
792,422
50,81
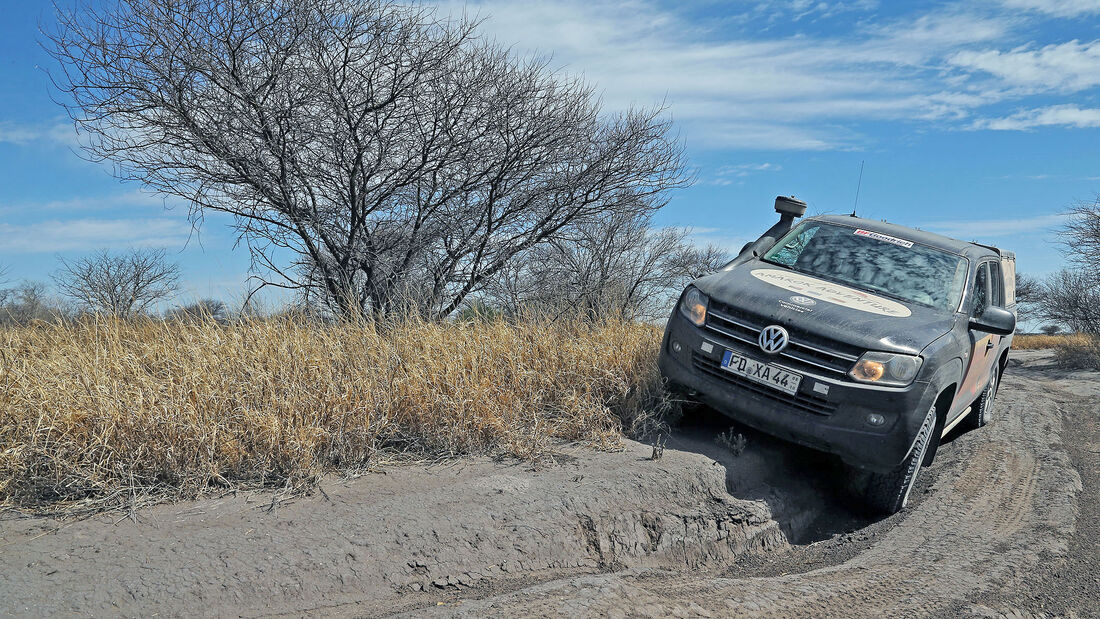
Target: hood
833,311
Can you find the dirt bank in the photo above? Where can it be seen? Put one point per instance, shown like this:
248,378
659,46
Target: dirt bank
387,541
999,525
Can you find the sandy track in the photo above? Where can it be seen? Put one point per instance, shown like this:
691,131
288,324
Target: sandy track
1000,504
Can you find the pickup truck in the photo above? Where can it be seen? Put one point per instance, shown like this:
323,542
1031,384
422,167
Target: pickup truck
860,338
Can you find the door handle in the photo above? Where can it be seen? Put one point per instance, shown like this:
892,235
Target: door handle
989,344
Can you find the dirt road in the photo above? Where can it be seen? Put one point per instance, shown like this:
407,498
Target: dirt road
1000,525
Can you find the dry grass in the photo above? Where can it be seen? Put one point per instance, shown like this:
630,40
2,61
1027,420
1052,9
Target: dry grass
99,415
1036,341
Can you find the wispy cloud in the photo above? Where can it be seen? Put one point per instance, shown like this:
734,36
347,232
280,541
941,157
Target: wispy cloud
1051,116
1068,67
730,240
1057,8
87,234
728,174
729,85
78,204
22,134
991,228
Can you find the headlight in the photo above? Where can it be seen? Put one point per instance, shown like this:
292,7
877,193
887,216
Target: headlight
694,306
883,368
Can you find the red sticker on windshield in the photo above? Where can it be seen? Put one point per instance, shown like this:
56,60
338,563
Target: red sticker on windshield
884,238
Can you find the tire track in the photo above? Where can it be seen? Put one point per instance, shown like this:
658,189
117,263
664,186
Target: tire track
1001,501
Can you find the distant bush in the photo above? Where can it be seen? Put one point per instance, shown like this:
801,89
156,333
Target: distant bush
1079,353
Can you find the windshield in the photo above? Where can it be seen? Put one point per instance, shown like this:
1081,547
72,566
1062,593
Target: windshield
877,262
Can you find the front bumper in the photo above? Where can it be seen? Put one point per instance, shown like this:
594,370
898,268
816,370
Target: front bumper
835,422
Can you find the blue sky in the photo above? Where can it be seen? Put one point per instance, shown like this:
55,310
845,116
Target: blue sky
977,119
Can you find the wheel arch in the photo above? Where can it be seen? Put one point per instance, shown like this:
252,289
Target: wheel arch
943,404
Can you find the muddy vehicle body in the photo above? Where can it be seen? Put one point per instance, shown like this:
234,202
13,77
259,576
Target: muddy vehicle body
860,338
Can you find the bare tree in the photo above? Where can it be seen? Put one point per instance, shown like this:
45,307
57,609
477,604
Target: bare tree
395,155
1081,235
122,285
1029,296
27,302
616,266
1072,298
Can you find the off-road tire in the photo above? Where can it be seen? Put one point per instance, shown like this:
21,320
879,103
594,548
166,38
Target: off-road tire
981,411
888,493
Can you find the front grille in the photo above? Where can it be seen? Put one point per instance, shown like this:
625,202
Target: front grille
800,401
805,352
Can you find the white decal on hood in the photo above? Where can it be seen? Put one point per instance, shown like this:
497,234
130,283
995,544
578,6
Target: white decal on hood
832,293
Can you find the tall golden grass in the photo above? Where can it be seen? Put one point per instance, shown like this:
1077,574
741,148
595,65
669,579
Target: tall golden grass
100,413
1036,341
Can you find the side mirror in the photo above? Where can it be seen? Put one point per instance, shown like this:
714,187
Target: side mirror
995,320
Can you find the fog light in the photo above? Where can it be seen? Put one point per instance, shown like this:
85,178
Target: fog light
676,347
876,419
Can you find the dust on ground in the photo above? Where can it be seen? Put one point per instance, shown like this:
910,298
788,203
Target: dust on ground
1003,524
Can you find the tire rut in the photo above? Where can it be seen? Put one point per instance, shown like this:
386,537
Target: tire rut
1001,501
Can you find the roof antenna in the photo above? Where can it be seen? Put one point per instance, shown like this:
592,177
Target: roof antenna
859,183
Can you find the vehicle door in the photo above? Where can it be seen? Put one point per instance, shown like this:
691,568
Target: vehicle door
983,346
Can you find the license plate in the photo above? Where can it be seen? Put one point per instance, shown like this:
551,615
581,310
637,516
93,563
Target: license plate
760,372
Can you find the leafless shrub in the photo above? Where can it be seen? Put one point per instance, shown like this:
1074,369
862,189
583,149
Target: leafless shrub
1071,298
120,284
617,266
29,302
1081,236
397,157
1082,352
1029,296
202,309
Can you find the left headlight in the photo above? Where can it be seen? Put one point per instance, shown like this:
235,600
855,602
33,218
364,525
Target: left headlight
883,368
694,306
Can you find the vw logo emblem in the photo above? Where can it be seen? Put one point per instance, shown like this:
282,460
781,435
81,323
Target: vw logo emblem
773,339
803,301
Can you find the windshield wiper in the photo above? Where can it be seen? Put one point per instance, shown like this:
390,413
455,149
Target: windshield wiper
778,264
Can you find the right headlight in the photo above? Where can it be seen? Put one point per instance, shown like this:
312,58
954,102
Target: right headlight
883,368
693,306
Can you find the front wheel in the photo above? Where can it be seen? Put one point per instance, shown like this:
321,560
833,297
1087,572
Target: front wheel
888,493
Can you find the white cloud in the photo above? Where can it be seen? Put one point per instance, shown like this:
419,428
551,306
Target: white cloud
1051,116
725,175
1057,8
727,240
19,134
87,234
729,85
1069,66
127,200
990,228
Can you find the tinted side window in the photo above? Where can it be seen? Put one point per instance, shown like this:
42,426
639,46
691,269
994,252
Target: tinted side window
996,285
981,288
